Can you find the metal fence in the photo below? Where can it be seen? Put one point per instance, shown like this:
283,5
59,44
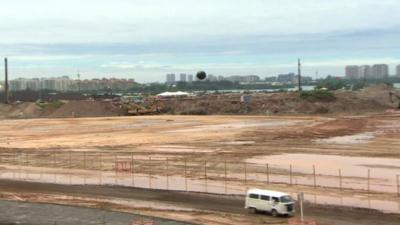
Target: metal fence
222,177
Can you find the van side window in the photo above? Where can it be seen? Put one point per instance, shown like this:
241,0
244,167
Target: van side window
265,198
253,196
275,199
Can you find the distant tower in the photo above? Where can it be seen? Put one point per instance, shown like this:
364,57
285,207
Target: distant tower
6,99
299,74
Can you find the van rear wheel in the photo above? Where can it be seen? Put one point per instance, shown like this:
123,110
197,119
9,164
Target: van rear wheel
274,213
252,210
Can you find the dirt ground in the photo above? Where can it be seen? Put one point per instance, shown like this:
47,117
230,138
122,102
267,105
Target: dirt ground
191,207
236,139
27,213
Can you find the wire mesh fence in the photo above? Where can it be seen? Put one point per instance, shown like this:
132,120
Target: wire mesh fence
224,177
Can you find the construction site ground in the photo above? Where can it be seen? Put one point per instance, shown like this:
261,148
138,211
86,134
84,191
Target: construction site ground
194,207
236,139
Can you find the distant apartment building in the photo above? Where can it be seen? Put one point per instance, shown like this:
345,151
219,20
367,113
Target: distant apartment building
212,78
244,79
377,71
64,84
105,84
365,72
251,79
352,72
182,77
170,78
380,71
398,70
287,78
25,84
271,79
35,84
305,79
190,78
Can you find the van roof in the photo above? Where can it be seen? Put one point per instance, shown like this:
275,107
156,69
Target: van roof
266,192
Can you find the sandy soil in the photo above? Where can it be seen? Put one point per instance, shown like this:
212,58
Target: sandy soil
236,139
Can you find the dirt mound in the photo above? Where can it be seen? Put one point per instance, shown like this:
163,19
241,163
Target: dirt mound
20,110
87,109
372,99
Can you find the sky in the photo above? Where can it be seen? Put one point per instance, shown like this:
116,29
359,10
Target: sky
146,39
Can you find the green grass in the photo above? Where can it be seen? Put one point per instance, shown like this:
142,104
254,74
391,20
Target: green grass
50,105
318,96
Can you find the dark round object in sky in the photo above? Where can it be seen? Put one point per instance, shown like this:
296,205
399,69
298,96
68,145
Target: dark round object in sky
201,75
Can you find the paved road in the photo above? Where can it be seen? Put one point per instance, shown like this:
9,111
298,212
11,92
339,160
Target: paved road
50,214
323,214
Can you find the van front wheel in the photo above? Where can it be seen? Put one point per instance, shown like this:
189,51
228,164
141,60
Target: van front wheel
274,213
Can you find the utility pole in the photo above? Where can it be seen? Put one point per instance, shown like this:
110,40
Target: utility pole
299,75
79,82
6,100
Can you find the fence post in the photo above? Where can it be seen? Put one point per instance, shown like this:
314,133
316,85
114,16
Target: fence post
315,178
340,179
150,172
133,170
226,184
368,181
290,174
54,159
116,168
84,160
167,173
186,184
267,173
69,159
245,173
205,175
398,185
101,161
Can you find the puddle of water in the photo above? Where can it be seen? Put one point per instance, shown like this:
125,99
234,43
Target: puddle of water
330,164
239,125
350,139
177,148
238,142
354,170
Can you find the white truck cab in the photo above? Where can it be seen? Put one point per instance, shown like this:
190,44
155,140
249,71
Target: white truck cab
274,202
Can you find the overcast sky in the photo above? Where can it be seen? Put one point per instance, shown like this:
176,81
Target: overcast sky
145,39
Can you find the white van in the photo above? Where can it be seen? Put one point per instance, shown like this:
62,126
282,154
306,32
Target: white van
276,203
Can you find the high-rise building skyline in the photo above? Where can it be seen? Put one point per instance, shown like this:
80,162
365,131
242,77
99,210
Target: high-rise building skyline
182,77
398,70
380,71
365,72
377,71
352,72
190,78
170,78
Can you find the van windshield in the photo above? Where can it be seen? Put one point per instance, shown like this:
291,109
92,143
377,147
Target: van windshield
286,199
